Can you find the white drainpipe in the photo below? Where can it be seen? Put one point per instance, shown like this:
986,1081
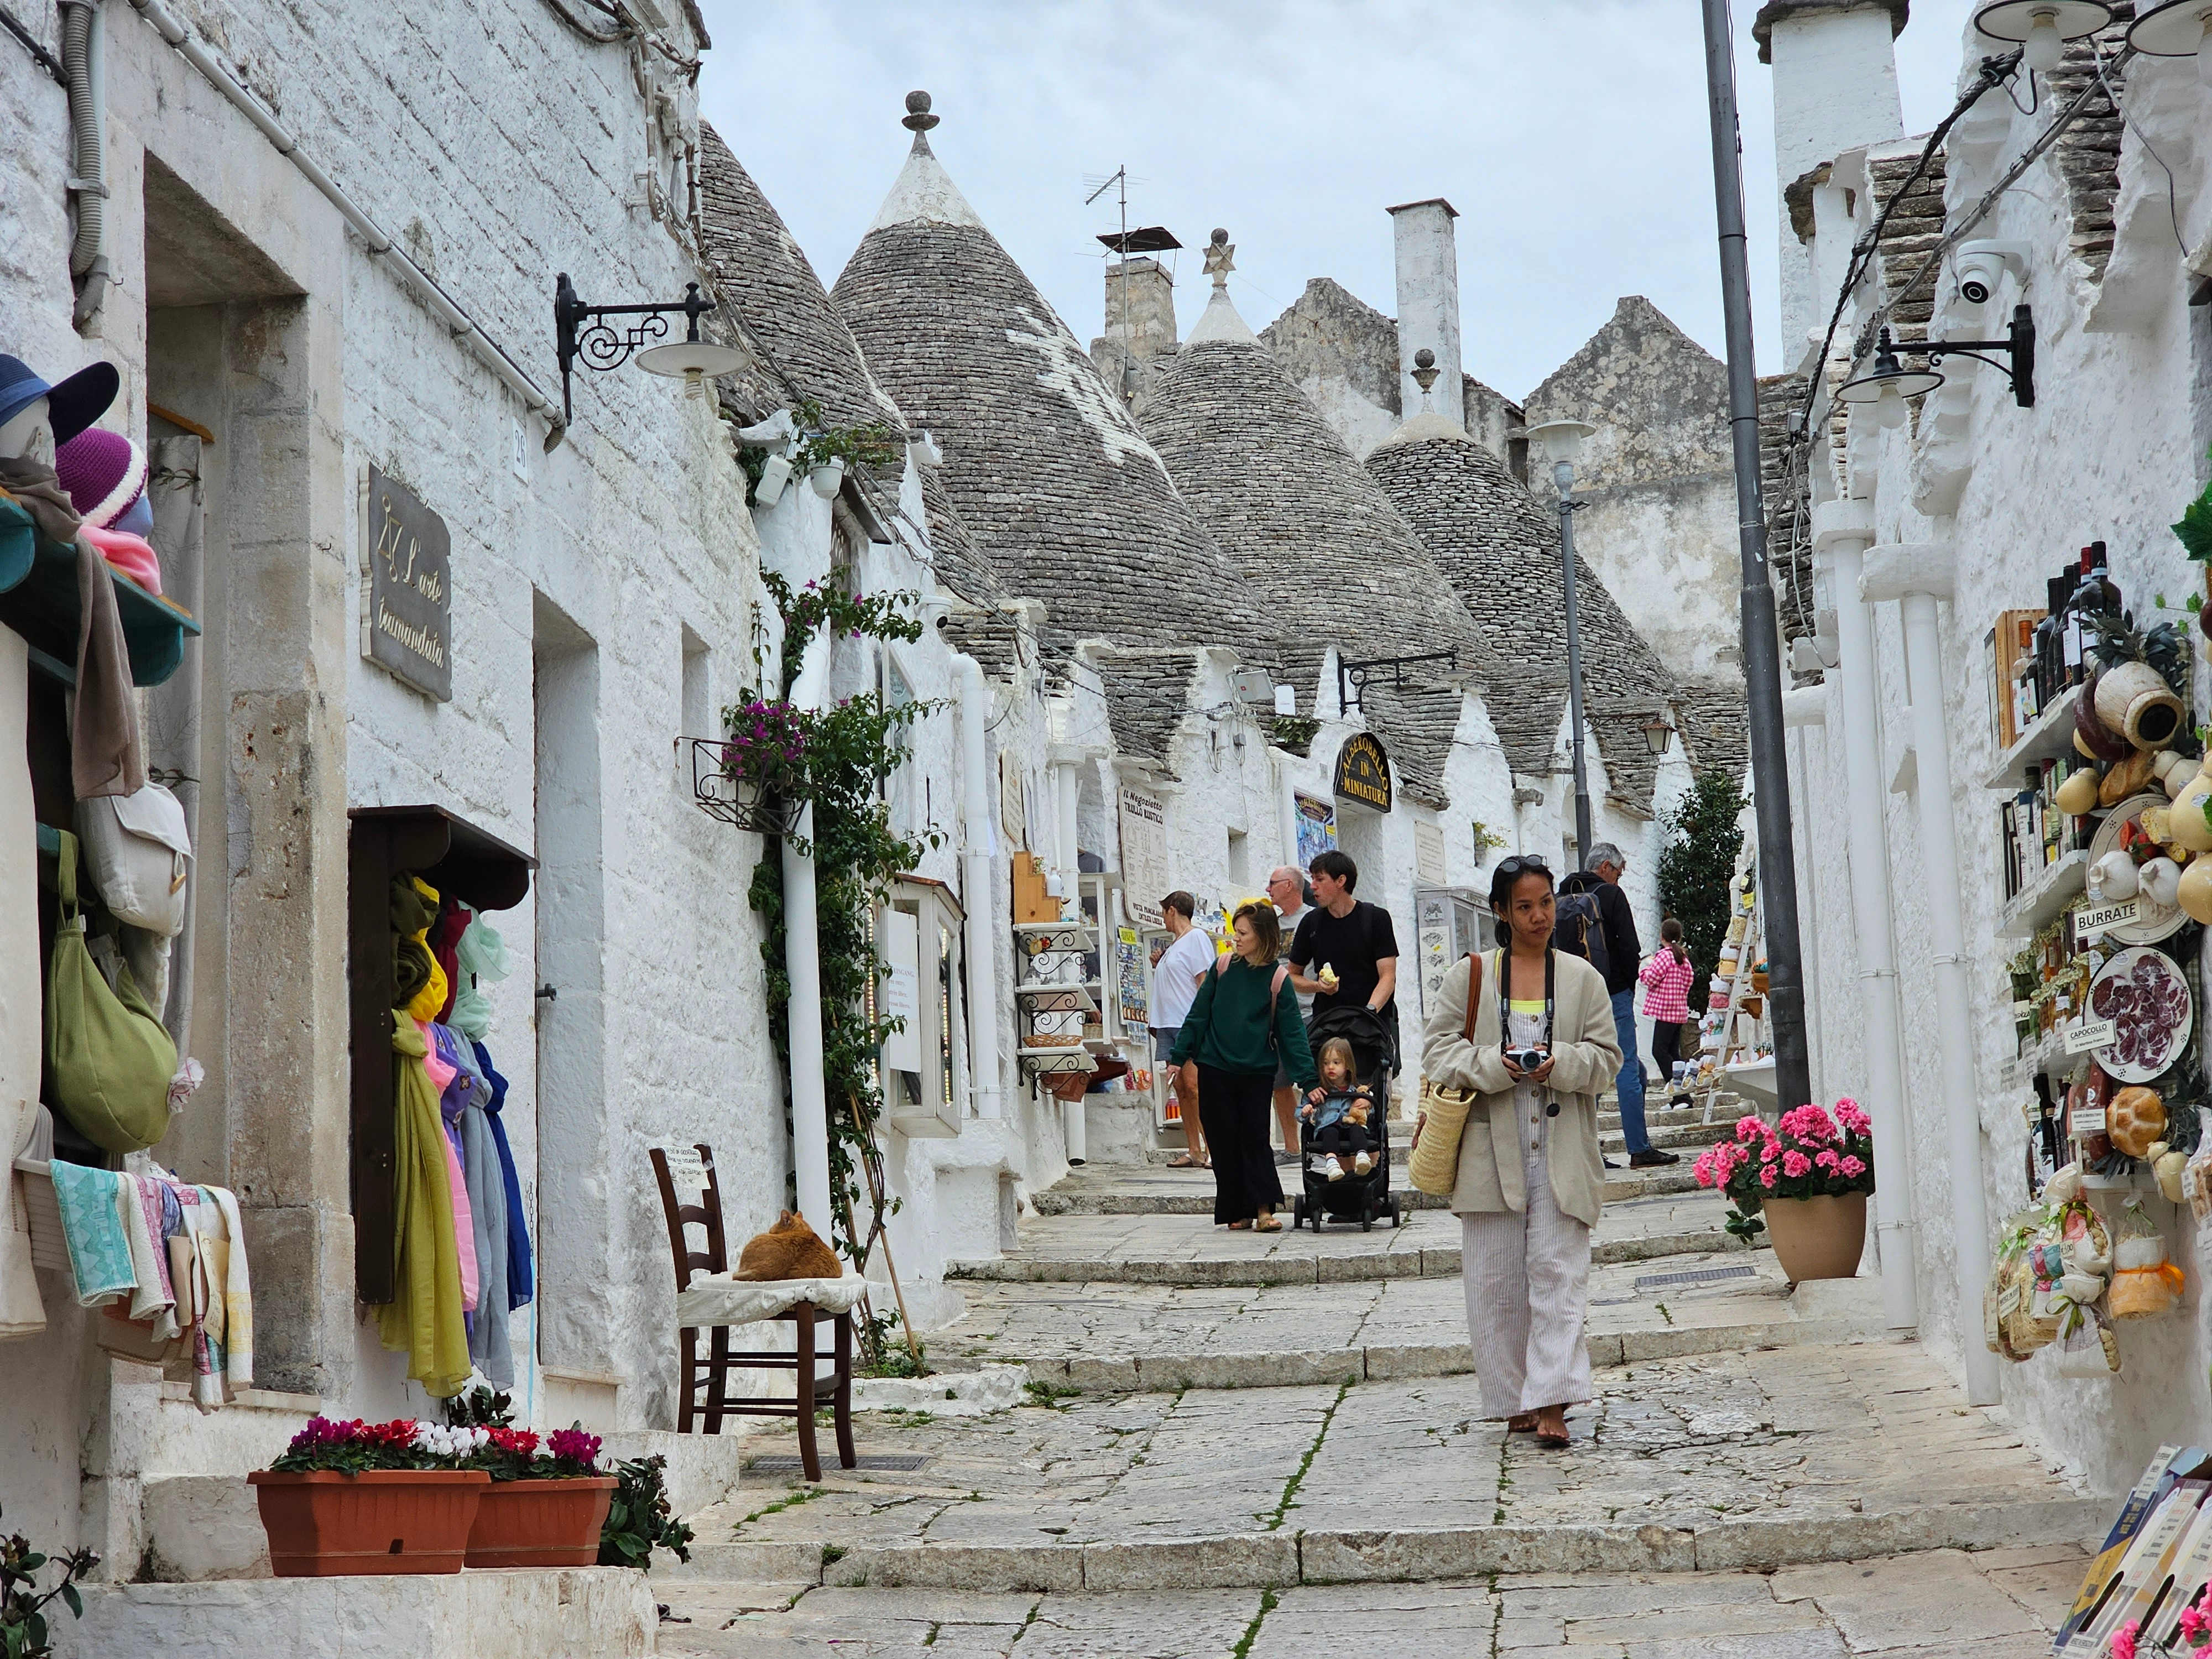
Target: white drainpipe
979,889
1804,712
1842,532
802,961
1066,783
1918,574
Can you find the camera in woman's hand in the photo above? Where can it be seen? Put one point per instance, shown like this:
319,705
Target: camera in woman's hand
1526,1059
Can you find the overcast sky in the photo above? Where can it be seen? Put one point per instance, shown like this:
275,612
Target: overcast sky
1571,135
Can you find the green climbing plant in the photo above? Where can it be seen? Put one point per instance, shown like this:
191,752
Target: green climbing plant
850,749
1697,862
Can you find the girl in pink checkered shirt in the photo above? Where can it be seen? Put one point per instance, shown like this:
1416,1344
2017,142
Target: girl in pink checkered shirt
1667,979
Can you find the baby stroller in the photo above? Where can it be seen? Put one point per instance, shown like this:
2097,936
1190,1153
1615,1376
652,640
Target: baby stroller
1360,1197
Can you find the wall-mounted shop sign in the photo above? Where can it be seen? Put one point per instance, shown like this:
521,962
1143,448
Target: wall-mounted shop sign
1146,876
1316,827
406,591
1363,771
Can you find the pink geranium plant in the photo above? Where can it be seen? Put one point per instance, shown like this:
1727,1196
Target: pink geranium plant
1812,1152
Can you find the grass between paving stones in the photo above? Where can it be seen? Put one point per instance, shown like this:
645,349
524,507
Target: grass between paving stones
1044,1395
1297,1475
1244,1648
791,1499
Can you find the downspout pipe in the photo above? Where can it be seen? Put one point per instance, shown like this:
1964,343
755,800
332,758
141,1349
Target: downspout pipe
1067,784
1842,532
802,962
979,892
1918,574
82,56
488,350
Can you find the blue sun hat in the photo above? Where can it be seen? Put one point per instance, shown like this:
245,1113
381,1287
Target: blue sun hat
74,403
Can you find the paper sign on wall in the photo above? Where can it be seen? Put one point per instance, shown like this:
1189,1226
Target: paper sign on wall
2103,918
2086,1036
1428,854
1317,825
900,941
1145,876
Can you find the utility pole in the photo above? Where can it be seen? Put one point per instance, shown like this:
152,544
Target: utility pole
1762,648
1563,474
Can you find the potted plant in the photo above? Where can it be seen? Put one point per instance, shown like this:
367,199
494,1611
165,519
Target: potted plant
764,758
368,1498
23,1632
547,1500
1804,1181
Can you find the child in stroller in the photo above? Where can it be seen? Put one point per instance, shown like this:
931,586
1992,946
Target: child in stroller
1337,1114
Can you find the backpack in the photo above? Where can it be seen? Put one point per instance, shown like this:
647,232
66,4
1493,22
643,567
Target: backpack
1274,987
1580,931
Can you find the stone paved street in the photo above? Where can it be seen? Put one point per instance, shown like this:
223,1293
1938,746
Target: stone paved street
1241,1445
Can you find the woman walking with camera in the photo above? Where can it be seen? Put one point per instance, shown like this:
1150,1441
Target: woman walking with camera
1528,1032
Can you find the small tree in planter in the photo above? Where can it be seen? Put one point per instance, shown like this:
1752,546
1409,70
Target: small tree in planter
1804,1181
369,1498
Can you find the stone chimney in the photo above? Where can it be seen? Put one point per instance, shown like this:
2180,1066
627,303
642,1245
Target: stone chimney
1428,304
1835,88
1140,325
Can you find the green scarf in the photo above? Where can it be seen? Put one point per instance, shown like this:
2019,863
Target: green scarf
425,1314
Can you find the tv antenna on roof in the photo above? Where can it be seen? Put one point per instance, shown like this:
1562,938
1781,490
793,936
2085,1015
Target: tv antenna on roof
1150,239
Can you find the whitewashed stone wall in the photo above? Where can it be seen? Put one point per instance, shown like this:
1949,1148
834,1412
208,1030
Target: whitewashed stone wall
2113,448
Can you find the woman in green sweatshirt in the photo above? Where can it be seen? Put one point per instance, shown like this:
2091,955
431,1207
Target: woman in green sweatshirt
1245,1020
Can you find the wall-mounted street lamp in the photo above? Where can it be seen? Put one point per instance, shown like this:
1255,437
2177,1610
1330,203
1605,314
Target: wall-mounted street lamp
580,331
2181,28
2041,29
1889,383
1562,444
1658,732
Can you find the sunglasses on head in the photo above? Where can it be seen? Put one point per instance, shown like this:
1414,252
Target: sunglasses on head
1513,868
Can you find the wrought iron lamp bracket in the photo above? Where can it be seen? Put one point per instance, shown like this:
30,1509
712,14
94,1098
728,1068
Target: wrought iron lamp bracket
1352,678
2017,347
581,331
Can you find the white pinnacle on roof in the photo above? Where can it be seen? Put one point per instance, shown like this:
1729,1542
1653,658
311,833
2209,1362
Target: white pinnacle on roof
1221,321
924,191
1427,424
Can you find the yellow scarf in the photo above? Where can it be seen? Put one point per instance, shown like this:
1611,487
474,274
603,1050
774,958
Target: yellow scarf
430,1001
425,1314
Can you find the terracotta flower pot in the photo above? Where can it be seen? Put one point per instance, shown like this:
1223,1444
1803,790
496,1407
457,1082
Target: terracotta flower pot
1817,1237
322,1524
541,1523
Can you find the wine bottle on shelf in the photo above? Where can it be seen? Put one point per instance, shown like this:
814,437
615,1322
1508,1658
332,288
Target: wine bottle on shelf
2099,592
2078,659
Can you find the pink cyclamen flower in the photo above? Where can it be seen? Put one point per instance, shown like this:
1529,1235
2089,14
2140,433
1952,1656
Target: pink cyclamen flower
2196,1625
1767,1177
1852,1168
2122,1645
1795,1164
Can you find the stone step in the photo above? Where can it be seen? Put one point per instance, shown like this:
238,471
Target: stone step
1121,1339
1762,1460
1129,1190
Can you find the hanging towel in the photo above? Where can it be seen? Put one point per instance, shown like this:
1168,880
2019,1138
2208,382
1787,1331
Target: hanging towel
237,1287
203,1225
92,1225
424,1317
519,1287
488,1332
153,1301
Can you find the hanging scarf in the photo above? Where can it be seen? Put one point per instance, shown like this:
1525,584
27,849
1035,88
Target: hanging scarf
519,1287
425,1315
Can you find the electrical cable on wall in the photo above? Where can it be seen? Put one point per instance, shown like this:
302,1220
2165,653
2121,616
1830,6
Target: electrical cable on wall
47,61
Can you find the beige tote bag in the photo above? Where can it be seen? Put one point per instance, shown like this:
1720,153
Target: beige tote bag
1434,1166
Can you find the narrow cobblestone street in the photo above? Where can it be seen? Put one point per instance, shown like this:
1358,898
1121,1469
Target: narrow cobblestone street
1248,1446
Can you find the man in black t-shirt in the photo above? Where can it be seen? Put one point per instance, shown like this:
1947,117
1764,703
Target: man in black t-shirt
1349,936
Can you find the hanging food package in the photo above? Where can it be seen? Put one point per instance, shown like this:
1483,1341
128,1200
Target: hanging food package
2144,1283
2087,1346
2005,1299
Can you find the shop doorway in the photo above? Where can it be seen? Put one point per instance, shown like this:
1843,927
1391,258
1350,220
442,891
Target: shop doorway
577,1177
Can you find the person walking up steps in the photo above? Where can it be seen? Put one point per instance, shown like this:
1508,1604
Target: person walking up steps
1596,923
1666,980
1175,987
1530,1181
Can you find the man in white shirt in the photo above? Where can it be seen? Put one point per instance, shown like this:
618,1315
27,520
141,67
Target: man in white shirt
1187,960
1286,891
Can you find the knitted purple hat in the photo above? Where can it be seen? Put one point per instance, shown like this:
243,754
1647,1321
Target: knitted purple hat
104,473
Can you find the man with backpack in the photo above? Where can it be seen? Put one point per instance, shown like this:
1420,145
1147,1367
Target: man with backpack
1595,922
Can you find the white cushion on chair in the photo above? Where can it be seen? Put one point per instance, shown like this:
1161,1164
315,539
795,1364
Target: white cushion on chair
719,1299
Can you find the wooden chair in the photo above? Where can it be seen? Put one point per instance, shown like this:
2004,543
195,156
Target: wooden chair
703,1384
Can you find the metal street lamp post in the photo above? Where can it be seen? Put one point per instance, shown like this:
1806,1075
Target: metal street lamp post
1762,640
1562,442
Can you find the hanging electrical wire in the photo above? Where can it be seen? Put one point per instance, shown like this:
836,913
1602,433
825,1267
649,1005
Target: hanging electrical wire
51,63
604,36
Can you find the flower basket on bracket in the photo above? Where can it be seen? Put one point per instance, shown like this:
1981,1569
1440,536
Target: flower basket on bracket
723,788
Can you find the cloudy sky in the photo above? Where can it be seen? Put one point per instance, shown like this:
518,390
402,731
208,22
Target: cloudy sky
1571,135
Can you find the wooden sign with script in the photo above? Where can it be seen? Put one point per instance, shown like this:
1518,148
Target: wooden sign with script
1363,771
406,587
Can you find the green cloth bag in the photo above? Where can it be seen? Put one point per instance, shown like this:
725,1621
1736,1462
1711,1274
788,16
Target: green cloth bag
108,1060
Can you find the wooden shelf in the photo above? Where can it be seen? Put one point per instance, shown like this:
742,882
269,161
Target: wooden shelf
2050,737
2057,886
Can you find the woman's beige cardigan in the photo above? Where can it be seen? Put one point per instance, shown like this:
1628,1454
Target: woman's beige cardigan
1586,1058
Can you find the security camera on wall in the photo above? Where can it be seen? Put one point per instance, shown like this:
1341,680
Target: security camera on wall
1980,266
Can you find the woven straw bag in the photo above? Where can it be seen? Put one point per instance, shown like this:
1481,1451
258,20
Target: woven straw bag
1434,1166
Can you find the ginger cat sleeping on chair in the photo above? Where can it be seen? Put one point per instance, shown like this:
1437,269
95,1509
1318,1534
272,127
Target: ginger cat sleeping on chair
790,1249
